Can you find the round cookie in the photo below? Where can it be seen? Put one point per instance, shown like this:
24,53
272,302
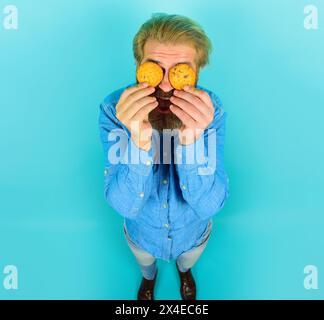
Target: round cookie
149,72
182,75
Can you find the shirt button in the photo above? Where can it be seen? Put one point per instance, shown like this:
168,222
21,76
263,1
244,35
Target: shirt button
169,238
166,225
165,181
165,205
184,187
148,162
141,194
105,172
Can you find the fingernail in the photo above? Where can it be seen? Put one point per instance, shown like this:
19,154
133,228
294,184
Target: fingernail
144,84
186,87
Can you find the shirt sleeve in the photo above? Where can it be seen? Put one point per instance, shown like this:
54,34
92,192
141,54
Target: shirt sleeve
200,166
128,170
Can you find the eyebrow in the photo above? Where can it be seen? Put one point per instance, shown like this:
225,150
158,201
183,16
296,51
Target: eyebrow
157,61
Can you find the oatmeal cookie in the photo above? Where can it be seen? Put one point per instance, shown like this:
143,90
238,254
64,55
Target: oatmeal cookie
181,75
149,72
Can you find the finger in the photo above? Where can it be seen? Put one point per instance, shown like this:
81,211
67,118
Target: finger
137,95
201,94
137,105
144,111
189,108
133,98
131,90
186,119
197,102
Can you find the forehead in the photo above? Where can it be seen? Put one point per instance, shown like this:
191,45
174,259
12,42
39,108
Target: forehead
168,54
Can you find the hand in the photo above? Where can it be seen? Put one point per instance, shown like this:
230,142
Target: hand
196,111
132,110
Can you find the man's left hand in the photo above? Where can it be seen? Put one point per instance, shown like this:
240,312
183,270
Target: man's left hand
196,111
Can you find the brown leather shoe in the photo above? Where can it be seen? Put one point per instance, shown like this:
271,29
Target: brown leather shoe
146,289
187,286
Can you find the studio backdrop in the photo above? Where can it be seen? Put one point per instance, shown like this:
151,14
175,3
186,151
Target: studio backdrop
59,239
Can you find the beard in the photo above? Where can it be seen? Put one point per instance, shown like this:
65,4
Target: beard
162,117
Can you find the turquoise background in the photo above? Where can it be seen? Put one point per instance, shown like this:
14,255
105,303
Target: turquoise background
55,225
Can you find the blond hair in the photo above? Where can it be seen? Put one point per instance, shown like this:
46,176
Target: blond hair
173,28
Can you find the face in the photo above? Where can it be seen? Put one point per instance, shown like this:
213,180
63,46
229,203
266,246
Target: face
167,55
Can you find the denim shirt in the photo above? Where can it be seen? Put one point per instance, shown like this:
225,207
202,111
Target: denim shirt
168,196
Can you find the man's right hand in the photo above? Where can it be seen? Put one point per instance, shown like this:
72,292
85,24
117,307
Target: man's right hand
132,110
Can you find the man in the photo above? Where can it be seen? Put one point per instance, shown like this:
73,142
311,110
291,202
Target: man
167,204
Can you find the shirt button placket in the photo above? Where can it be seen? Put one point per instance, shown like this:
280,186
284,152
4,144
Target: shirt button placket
166,223
169,240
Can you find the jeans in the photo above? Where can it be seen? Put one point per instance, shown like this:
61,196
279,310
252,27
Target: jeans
184,261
